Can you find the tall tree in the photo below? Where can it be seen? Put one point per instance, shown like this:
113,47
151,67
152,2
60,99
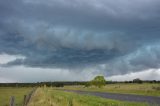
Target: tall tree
98,81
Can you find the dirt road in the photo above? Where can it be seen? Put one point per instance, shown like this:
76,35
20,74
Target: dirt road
122,97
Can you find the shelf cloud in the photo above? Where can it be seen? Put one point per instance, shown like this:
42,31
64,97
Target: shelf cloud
112,37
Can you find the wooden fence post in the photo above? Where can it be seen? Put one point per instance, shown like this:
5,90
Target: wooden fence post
24,101
28,97
12,101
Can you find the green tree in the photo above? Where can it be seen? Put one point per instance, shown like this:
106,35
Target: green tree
98,81
137,80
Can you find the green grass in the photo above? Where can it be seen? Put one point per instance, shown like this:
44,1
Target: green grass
51,97
139,89
18,93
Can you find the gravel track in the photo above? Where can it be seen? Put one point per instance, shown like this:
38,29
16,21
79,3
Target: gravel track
122,97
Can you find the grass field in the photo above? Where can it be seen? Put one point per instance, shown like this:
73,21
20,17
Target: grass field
139,89
18,93
51,97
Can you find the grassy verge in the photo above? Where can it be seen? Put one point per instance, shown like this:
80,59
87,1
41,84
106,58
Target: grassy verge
51,97
18,93
138,89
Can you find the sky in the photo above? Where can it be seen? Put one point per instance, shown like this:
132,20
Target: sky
76,40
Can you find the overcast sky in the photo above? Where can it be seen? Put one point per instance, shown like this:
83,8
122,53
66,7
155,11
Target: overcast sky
57,40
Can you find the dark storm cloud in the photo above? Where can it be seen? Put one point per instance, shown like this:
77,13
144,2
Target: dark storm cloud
79,33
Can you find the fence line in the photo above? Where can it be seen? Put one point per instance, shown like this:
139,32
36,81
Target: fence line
26,98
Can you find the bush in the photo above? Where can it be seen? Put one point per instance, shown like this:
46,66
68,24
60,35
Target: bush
87,84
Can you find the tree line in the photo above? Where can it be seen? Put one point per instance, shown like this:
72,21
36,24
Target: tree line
97,81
